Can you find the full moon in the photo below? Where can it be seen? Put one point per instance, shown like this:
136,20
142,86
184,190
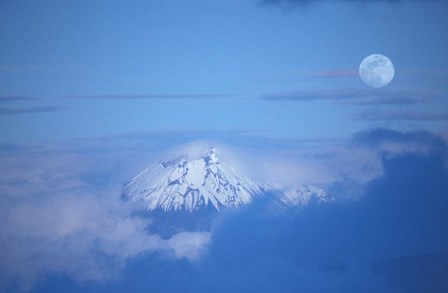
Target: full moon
376,70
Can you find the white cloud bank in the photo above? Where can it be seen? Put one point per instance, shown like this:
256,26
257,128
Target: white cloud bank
61,212
53,221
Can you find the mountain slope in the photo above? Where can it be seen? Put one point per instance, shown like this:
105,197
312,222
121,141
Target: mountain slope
203,183
189,185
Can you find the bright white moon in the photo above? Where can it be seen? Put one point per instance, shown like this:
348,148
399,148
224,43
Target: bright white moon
376,70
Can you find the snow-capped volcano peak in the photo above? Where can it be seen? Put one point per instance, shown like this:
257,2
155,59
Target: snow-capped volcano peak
210,157
182,184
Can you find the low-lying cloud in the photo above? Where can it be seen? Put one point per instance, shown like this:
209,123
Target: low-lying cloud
393,239
373,244
61,215
55,220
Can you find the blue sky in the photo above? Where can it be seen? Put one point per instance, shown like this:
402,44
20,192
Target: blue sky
91,92
206,65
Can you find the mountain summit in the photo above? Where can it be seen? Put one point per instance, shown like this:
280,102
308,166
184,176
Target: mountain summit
180,184
203,183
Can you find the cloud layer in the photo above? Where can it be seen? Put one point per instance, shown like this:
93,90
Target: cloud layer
64,225
355,246
151,96
42,109
306,2
393,239
402,116
61,213
355,96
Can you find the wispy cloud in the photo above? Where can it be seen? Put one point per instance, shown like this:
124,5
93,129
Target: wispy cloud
355,96
38,109
151,96
23,68
13,98
307,2
378,115
167,134
383,140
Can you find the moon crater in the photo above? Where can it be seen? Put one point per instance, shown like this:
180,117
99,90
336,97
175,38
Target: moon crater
376,70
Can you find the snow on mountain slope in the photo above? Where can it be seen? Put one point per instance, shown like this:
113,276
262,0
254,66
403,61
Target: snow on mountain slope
188,185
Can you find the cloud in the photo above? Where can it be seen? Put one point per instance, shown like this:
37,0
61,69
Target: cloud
61,220
403,213
395,142
189,245
86,237
291,164
354,96
401,116
187,135
307,2
61,213
151,96
39,109
24,68
12,98
8,99
393,239
429,268
61,234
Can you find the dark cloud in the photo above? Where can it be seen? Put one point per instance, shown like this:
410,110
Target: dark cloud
355,96
374,138
307,2
388,100
379,115
41,109
430,269
402,214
